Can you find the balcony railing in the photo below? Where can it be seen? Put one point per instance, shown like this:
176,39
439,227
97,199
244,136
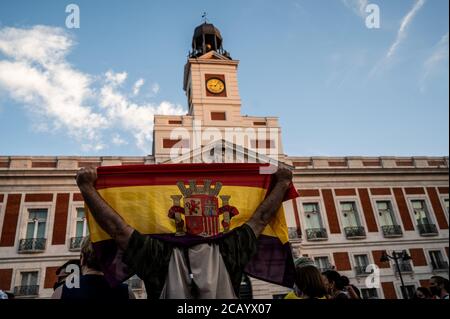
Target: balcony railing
361,271
32,245
427,229
316,234
404,267
392,231
355,232
325,268
440,266
32,290
75,243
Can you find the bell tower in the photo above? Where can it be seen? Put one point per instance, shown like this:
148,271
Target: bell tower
210,79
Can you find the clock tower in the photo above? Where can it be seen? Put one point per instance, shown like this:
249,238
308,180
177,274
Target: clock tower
210,79
214,109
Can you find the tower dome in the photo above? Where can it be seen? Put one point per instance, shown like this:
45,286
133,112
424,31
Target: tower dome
207,38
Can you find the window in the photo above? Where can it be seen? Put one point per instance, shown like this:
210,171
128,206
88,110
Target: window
313,221
423,217
323,263
408,291
351,221
361,263
81,228
369,293
218,116
37,219
446,205
437,260
387,219
28,284
404,265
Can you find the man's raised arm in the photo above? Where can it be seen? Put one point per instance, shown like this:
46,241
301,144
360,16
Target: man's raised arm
269,207
104,215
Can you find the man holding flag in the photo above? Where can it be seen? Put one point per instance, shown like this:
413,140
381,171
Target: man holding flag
212,268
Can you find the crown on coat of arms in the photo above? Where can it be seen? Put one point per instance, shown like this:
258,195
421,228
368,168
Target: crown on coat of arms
195,189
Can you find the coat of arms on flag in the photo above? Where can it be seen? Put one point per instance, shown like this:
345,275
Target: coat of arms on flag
201,209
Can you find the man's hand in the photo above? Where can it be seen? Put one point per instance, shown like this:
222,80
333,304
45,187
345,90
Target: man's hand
86,177
283,176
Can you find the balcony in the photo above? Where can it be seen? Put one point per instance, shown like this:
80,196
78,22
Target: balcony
75,243
392,231
32,245
316,234
427,229
404,268
357,232
361,271
25,291
440,266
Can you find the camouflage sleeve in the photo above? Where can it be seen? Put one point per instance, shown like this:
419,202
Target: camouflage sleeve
149,259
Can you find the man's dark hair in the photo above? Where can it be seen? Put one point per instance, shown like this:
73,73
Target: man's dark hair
442,281
309,281
334,277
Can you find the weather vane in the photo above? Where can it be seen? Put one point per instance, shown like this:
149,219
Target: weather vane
205,20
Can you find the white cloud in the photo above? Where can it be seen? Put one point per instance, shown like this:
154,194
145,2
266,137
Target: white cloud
117,140
137,86
357,6
155,88
401,36
61,98
439,55
406,21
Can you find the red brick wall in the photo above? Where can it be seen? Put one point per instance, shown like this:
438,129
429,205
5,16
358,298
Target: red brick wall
308,192
380,191
345,192
389,290
10,220
377,256
5,279
50,277
437,207
342,261
414,190
59,227
77,197
368,210
330,208
38,197
418,256
403,209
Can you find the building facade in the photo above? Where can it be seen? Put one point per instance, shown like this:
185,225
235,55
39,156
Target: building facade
350,213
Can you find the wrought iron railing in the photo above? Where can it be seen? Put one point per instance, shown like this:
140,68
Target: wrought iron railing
392,230
316,234
427,229
361,271
441,265
32,245
75,243
32,290
355,232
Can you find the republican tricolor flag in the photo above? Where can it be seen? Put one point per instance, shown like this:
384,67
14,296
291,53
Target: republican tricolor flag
188,204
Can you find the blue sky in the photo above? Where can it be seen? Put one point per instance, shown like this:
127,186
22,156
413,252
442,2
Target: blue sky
338,87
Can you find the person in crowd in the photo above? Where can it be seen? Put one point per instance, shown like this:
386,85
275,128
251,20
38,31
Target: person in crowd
207,270
309,283
439,287
352,291
335,285
92,283
422,293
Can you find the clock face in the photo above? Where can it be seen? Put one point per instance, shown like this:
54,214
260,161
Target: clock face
215,86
